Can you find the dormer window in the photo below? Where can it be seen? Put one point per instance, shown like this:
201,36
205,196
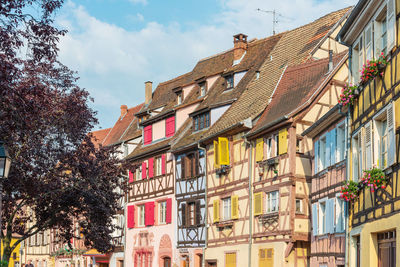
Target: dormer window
180,98
201,121
179,95
203,88
229,81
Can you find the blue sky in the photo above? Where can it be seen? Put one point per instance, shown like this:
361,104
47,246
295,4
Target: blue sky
117,45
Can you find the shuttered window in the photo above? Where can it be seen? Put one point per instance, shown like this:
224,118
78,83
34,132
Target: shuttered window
316,157
168,215
223,144
391,24
314,214
266,257
230,260
147,134
163,163
216,155
149,213
340,215
235,207
130,174
259,149
216,210
368,146
131,216
144,170
151,167
258,203
283,141
170,126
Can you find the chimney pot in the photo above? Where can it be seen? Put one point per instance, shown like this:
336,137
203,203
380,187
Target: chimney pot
148,93
124,110
239,46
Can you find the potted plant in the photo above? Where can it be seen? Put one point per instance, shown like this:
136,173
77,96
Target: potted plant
349,191
349,92
373,68
374,179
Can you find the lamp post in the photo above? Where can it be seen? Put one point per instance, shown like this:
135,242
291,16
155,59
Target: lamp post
5,164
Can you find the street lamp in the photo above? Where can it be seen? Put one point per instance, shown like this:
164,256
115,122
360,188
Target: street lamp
5,161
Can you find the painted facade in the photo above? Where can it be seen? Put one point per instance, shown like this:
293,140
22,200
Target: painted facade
374,135
15,259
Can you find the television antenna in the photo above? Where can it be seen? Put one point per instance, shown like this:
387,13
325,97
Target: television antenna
275,16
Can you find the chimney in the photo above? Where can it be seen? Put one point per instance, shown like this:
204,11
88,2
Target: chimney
124,110
239,46
330,66
148,92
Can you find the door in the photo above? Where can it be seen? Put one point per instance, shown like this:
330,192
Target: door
387,249
230,260
167,262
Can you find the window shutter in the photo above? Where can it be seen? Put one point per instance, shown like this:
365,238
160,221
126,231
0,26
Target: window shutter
183,167
144,170
262,258
316,156
223,150
131,216
230,259
183,214
368,146
147,134
333,146
339,212
198,212
330,216
149,213
269,257
163,163
216,210
168,215
130,176
151,167
328,150
282,141
216,155
391,135
258,203
315,218
391,24
196,164
170,126
235,207
259,149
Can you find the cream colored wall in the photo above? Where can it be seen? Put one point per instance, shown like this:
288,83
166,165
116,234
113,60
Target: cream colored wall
158,130
329,44
182,115
242,255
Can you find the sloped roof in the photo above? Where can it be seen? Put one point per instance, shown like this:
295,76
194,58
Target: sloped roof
99,135
293,48
296,86
117,133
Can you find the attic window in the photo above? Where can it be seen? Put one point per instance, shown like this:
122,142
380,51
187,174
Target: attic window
203,88
180,97
201,121
229,81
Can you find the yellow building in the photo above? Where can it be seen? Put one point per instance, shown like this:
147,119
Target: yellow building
372,30
15,254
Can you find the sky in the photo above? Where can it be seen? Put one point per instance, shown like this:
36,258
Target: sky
117,45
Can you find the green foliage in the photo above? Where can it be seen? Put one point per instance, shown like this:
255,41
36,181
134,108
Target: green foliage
374,179
349,190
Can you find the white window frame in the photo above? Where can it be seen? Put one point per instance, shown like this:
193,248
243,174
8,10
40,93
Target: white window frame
162,212
226,208
276,145
203,88
357,151
299,200
340,141
340,211
322,216
322,152
158,166
141,215
270,205
269,147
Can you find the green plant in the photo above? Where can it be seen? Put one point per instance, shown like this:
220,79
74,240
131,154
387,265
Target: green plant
373,68
349,190
374,179
3,263
347,95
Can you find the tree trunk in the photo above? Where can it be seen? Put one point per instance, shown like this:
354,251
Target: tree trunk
6,251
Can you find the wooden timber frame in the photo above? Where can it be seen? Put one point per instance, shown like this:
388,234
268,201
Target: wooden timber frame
190,189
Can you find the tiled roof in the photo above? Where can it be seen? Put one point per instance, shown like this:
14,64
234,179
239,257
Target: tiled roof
118,131
293,48
256,53
99,135
296,86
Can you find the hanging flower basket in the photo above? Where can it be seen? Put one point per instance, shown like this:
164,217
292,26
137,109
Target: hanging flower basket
374,179
349,92
373,68
349,191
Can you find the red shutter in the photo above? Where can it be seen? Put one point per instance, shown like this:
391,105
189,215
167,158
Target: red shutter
131,216
170,126
169,211
163,163
147,134
130,177
144,167
149,213
151,167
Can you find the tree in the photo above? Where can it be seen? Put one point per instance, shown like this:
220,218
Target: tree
56,171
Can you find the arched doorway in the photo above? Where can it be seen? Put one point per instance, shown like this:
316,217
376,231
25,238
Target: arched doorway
166,262
165,251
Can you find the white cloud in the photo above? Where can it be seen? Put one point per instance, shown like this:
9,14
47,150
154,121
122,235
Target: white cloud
114,62
143,2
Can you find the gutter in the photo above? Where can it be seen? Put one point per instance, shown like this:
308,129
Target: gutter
250,200
356,10
205,200
219,133
268,125
347,232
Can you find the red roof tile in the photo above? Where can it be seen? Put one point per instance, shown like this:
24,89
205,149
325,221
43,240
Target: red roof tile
99,135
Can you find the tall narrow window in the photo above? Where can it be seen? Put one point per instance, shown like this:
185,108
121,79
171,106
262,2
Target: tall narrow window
229,81
191,214
203,88
226,208
162,212
322,153
141,209
322,218
269,147
272,201
158,166
341,143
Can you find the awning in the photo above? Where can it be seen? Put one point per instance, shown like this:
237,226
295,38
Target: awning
94,253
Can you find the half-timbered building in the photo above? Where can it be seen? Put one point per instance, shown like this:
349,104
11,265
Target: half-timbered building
372,31
282,160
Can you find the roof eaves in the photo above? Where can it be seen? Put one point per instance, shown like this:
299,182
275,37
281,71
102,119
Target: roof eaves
355,11
268,125
321,120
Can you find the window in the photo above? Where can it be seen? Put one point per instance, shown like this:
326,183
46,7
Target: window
276,145
384,138
191,214
180,97
148,134
341,143
357,156
226,202
322,218
158,166
299,206
380,33
358,60
358,251
340,215
162,212
221,152
230,260
138,173
269,147
190,165
141,210
201,121
387,249
203,88
229,81
322,154
272,202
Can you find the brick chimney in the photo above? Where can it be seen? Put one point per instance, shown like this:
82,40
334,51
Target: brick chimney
239,46
124,110
148,92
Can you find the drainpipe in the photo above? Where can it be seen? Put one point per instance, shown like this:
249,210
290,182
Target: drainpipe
205,200
346,254
250,200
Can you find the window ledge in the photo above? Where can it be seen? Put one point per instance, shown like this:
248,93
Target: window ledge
269,216
227,223
223,169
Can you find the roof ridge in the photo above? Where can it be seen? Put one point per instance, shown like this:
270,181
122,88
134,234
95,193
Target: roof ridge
311,63
215,55
176,78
